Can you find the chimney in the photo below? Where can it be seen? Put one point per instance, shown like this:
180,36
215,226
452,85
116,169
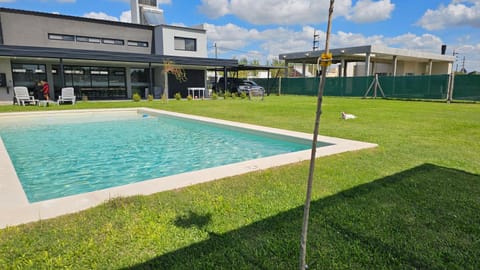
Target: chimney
444,49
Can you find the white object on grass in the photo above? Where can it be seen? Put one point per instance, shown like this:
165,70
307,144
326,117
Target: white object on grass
348,116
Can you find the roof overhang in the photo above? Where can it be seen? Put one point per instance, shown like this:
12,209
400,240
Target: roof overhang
360,53
109,56
241,67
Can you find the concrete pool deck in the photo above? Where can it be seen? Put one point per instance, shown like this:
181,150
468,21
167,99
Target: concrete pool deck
15,208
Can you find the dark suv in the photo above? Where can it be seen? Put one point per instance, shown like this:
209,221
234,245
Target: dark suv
235,85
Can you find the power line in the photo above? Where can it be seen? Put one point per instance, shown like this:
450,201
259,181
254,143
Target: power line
235,50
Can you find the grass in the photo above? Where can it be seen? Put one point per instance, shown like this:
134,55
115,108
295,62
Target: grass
410,203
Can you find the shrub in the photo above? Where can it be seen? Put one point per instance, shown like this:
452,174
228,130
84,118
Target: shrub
136,97
227,95
243,95
189,97
234,95
150,97
214,96
178,96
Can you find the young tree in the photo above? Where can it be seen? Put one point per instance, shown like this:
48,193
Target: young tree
169,67
326,61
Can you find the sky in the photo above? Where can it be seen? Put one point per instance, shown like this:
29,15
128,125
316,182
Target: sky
263,29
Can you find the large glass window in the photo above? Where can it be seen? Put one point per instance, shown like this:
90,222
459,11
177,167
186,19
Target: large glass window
93,82
185,44
99,76
140,79
116,77
81,76
28,74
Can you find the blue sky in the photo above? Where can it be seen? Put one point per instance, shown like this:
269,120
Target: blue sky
262,29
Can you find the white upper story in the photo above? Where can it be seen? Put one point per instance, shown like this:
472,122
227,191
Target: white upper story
180,41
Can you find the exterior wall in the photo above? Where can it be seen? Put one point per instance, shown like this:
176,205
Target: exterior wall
32,30
382,68
164,40
411,68
6,93
441,68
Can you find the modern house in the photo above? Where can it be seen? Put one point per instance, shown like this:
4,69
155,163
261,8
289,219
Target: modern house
373,59
101,59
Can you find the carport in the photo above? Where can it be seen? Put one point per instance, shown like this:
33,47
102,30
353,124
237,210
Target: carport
401,61
241,67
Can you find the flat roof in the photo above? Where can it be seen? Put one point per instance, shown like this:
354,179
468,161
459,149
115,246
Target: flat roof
75,18
76,54
359,53
249,67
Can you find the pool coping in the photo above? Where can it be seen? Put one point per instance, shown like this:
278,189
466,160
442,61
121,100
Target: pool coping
15,208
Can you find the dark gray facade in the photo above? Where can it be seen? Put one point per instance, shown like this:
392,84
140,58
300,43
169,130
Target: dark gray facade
100,59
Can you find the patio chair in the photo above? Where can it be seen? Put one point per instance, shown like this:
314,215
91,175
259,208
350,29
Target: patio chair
22,96
67,95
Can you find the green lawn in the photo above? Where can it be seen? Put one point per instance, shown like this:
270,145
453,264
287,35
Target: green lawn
411,203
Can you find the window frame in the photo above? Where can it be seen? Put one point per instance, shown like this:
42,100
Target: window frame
185,47
61,37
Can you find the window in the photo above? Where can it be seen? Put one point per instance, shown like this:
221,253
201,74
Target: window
140,78
28,74
113,41
137,43
185,44
152,3
61,37
116,77
88,39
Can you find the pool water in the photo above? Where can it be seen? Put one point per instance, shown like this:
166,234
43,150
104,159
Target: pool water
60,157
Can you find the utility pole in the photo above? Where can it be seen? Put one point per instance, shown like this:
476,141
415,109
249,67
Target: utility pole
216,80
316,40
326,60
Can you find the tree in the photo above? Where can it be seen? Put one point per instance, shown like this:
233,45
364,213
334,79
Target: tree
169,67
326,60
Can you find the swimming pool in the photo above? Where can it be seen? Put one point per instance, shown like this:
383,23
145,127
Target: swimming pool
62,156
15,207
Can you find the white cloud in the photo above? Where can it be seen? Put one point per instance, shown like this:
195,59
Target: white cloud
275,11
160,2
126,16
100,15
233,40
425,42
366,11
214,8
457,13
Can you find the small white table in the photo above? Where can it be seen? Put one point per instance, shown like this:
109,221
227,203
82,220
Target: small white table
200,90
45,103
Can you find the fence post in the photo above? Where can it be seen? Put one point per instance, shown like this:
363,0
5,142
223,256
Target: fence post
280,86
451,82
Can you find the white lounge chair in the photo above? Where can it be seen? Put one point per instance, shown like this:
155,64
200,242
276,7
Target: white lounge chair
67,95
22,96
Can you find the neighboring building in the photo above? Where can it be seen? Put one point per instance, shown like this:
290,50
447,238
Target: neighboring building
373,59
100,59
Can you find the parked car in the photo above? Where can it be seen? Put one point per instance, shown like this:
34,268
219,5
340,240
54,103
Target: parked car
235,85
